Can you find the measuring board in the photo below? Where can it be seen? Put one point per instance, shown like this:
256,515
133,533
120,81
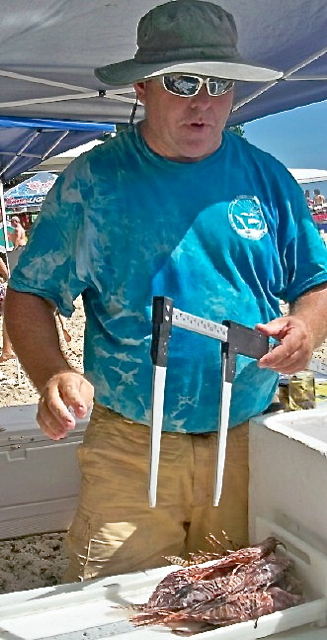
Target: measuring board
235,339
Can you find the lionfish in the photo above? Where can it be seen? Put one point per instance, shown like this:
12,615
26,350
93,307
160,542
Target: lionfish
218,589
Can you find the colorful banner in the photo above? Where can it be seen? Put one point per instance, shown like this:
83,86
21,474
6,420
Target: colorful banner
31,192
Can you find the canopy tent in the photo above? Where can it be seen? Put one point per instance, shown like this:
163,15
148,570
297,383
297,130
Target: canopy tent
305,176
25,142
48,52
31,192
59,163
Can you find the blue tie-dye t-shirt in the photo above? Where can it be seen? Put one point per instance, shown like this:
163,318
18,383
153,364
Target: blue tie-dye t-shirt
227,238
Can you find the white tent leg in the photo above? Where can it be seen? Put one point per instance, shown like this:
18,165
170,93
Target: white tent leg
5,233
4,218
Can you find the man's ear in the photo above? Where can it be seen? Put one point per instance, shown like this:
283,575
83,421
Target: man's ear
139,88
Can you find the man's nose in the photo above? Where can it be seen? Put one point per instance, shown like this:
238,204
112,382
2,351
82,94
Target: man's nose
202,99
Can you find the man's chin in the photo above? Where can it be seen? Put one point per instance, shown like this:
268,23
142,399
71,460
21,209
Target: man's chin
197,152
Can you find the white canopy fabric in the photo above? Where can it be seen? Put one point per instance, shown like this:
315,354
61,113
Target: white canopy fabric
59,163
48,51
305,176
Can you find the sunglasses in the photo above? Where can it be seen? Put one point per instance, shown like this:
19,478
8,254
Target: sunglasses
186,86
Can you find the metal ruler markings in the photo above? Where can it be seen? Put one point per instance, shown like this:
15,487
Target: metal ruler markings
220,332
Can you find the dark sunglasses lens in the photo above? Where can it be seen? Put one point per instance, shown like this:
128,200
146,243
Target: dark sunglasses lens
218,86
181,85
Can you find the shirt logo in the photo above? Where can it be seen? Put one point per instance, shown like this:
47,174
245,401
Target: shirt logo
246,217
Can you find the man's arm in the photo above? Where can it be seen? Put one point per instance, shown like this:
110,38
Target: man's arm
299,333
16,238
20,236
31,326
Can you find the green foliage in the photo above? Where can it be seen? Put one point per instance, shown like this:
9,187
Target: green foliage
238,129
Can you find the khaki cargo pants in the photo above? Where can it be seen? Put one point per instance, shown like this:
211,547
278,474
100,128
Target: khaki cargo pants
115,531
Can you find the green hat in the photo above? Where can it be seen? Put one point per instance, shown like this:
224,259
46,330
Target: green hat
185,36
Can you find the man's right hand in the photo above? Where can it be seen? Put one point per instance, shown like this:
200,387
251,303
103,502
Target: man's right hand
66,395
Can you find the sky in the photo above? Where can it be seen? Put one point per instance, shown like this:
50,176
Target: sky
298,138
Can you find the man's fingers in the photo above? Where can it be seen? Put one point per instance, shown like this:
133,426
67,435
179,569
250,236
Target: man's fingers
71,396
67,394
55,424
286,358
277,328
57,405
282,363
78,395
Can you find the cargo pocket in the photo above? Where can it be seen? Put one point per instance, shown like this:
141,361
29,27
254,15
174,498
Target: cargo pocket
81,545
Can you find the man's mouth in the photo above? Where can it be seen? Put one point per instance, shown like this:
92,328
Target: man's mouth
197,125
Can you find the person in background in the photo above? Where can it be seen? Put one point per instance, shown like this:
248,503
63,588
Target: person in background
318,199
177,206
7,350
18,236
25,220
308,198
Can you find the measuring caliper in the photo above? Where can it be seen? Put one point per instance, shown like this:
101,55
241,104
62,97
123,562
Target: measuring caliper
235,339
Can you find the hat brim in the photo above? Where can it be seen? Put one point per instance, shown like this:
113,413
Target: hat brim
123,74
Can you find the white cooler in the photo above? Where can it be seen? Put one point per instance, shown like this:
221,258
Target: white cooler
39,477
288,473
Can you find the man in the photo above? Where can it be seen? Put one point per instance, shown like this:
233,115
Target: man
18,236
318,199
175,206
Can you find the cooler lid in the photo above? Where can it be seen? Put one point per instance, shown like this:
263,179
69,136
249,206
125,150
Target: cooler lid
18,424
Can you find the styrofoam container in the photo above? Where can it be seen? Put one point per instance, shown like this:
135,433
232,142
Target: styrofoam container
288,473
99,608
39,477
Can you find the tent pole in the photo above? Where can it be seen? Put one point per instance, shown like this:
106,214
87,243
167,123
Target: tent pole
5,233
4,217
61,137
30,139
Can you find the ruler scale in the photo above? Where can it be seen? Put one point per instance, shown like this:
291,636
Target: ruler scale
199,325
215,330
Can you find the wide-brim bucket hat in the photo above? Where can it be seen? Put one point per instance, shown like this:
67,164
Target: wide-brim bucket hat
185,36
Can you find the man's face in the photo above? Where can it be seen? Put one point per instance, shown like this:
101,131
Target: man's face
182,129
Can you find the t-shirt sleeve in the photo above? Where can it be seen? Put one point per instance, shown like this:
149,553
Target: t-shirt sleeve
48,266
302,250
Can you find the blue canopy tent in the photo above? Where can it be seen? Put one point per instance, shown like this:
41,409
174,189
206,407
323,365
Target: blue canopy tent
25,142
48,51
47,72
